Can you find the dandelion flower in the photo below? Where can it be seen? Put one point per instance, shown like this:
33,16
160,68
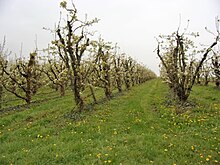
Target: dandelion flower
99,155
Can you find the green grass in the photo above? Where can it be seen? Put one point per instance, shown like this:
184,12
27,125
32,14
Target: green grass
10,100
134,128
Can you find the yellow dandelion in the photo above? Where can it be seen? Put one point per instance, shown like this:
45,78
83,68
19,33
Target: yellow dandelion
192,147
99,155
165,136
109,161
170,145
207,159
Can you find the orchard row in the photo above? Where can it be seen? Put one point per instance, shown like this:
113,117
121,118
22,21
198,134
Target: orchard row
75,60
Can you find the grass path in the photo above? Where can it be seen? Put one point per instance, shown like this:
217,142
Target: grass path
135,128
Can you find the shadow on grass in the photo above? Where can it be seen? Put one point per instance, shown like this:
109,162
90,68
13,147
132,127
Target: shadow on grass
76,115
26,106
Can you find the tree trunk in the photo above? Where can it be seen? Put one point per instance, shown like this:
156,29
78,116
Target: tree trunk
77,89
217,83
107,93
28,90
107,76
206,80
62,90
133,80
127,82
107,88
93,93
198,79
118,81
79,101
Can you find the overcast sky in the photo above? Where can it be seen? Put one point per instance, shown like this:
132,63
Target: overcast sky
132,24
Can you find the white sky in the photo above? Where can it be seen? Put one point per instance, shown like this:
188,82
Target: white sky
133,24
